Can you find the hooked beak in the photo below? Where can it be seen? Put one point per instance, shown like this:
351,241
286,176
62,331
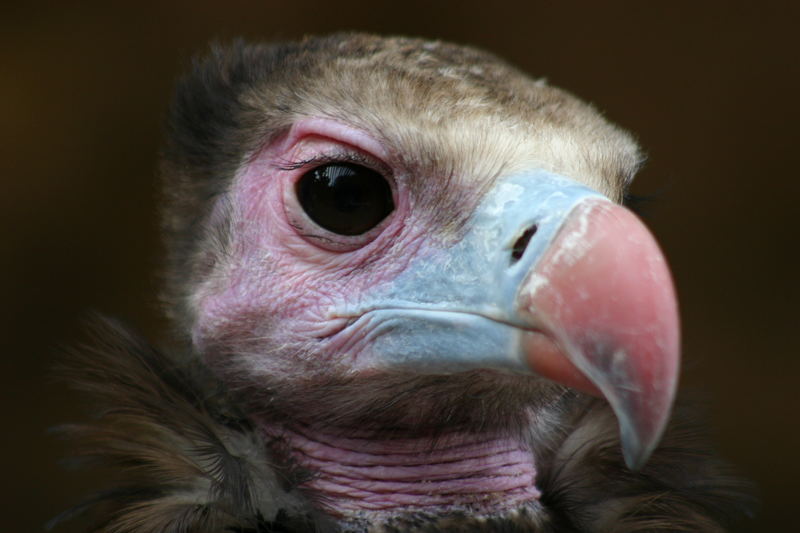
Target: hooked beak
603,298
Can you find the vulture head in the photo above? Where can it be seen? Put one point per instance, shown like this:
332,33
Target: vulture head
405,266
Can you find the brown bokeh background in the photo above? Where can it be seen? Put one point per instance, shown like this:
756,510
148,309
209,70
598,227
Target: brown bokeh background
709,89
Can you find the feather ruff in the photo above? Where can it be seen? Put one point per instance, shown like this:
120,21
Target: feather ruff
188,460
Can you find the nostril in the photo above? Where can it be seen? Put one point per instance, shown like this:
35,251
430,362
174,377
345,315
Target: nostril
518,250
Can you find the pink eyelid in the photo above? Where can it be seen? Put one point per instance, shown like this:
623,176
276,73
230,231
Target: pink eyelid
338,132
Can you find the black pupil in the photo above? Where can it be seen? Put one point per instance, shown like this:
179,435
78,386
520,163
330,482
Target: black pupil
345,198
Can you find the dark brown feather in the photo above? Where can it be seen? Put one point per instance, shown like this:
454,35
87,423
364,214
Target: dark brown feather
190,461
186,461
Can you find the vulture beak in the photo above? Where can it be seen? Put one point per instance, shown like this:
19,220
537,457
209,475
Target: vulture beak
549,278
603,306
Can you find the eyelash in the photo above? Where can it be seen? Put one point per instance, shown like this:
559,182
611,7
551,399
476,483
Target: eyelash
336,157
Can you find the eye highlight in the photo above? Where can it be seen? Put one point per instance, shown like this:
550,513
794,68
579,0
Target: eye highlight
345,198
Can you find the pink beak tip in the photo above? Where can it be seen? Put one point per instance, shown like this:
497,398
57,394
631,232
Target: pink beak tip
603,299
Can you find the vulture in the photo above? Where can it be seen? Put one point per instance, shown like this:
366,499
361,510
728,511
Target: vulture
405,296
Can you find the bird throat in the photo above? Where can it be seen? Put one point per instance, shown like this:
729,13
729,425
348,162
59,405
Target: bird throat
355,474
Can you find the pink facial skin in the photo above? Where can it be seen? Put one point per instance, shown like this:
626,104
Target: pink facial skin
277,250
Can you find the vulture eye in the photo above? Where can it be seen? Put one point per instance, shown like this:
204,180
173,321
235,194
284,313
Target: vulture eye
345,198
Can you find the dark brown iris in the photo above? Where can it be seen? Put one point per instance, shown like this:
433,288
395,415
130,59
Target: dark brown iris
345,198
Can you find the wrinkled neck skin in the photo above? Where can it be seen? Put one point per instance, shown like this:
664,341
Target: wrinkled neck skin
375,479
480,460
363,474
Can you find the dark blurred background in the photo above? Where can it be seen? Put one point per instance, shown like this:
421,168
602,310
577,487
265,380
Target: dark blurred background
710,90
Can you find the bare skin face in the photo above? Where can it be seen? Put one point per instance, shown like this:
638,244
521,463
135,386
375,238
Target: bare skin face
277,249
